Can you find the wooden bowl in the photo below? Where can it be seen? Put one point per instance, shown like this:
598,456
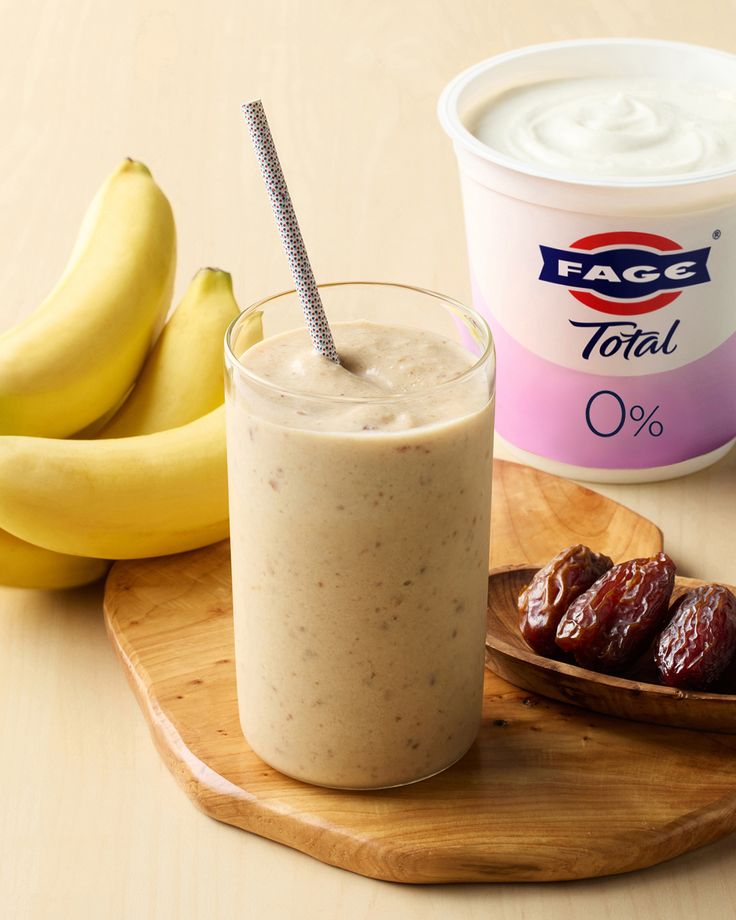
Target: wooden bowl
629,697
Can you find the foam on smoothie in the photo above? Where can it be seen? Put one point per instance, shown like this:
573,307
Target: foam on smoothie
379,363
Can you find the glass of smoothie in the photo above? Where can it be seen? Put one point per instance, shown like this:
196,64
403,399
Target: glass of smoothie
360,499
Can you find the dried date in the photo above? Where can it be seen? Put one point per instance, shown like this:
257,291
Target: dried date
699,642
613,622
545,599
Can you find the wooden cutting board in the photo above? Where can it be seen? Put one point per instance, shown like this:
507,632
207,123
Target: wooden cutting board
547,792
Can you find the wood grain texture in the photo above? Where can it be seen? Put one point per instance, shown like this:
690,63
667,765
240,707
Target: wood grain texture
534,515
509,657
170,621
351,96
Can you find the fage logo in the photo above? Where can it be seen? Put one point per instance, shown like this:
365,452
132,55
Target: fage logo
624,272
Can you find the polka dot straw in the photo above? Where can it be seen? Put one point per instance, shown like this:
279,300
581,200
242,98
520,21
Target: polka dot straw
291,237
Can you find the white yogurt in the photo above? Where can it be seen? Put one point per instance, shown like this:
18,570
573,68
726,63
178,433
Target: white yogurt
613,125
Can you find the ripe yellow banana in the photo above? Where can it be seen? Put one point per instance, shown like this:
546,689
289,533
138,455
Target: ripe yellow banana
183,376
78,355
182,379
193,347
118,498
23,565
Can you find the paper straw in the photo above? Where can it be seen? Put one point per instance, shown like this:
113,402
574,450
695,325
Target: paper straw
291,237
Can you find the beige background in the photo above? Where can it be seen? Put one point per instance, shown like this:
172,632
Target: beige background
91,824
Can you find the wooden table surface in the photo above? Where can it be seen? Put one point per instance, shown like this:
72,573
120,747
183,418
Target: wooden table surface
91,823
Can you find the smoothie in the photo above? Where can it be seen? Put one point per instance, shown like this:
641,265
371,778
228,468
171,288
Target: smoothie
360,499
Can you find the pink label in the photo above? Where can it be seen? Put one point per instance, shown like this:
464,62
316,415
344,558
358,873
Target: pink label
612,422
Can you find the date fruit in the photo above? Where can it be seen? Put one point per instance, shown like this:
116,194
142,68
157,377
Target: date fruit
613,622
545,599
699,642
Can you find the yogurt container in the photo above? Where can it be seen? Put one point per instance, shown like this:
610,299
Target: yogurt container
601,227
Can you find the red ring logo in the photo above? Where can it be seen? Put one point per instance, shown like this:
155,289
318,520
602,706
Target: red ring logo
622,238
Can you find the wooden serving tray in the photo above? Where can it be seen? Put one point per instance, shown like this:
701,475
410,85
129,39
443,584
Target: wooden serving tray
547,792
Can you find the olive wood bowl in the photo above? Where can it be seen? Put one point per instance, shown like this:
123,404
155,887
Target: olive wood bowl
633,695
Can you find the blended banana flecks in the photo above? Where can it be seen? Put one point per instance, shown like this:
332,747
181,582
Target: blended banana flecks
381,383
360,553
613,126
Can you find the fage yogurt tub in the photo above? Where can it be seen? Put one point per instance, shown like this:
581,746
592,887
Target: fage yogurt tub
599,186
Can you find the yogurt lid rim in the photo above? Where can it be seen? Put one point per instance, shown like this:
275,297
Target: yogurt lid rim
452,124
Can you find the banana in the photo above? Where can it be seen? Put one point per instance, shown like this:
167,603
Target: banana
183,375
181,380
23,565
118,498
94,428
79,353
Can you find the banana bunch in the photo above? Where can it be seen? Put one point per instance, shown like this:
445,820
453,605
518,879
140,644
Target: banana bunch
80,352
145,475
